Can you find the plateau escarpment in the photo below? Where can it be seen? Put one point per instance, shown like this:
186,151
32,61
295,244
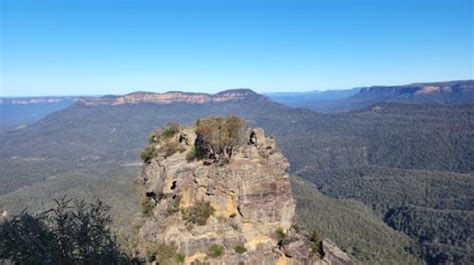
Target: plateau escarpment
219,193
233,95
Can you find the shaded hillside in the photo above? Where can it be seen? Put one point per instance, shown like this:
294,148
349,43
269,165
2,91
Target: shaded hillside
352,225
397,140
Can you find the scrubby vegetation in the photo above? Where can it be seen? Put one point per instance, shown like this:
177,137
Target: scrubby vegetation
71,233
216,250
316,243
216,137
170,130
164,254
240,249
148,204
193,154
148,153
280,234
162,137
198,213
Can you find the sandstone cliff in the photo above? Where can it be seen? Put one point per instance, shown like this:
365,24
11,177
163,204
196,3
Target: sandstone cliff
237,212
233,95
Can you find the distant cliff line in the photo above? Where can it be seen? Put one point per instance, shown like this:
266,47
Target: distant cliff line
233,95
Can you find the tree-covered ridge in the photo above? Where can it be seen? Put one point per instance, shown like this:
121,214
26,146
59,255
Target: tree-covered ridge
82,145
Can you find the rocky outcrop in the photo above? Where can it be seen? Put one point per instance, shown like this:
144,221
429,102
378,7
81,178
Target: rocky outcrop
234,95
333,255
250,197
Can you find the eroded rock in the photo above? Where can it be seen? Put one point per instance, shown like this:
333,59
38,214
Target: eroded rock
251,197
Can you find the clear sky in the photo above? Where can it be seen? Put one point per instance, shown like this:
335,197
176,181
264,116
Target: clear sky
114,47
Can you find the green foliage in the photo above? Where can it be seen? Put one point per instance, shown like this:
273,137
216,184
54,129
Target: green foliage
193,154
280,234
198,213
217,137
148,204
71,233
316,243
170,130
148,153
216,250
164,254
180,257
240,249
351,225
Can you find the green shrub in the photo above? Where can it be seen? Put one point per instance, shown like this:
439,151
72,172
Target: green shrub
193,154
199,213
148,204
240,249
163,254
216,137
148,153
280,234
180,257
241,263
170,130
216,250
316,244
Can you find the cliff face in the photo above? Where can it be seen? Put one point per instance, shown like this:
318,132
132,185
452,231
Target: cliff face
234,95
455,92
250,197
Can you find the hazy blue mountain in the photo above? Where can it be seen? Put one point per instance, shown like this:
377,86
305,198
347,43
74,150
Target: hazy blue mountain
445,93
19,111
316,100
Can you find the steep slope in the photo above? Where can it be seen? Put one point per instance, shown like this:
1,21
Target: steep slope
233,210
352,225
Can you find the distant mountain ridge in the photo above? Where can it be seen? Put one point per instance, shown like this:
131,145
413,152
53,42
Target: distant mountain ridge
452,92
232,95
444,93
36,100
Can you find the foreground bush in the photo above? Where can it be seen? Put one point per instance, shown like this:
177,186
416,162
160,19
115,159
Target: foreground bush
71,233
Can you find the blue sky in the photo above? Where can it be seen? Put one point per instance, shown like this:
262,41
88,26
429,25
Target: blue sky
115,47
